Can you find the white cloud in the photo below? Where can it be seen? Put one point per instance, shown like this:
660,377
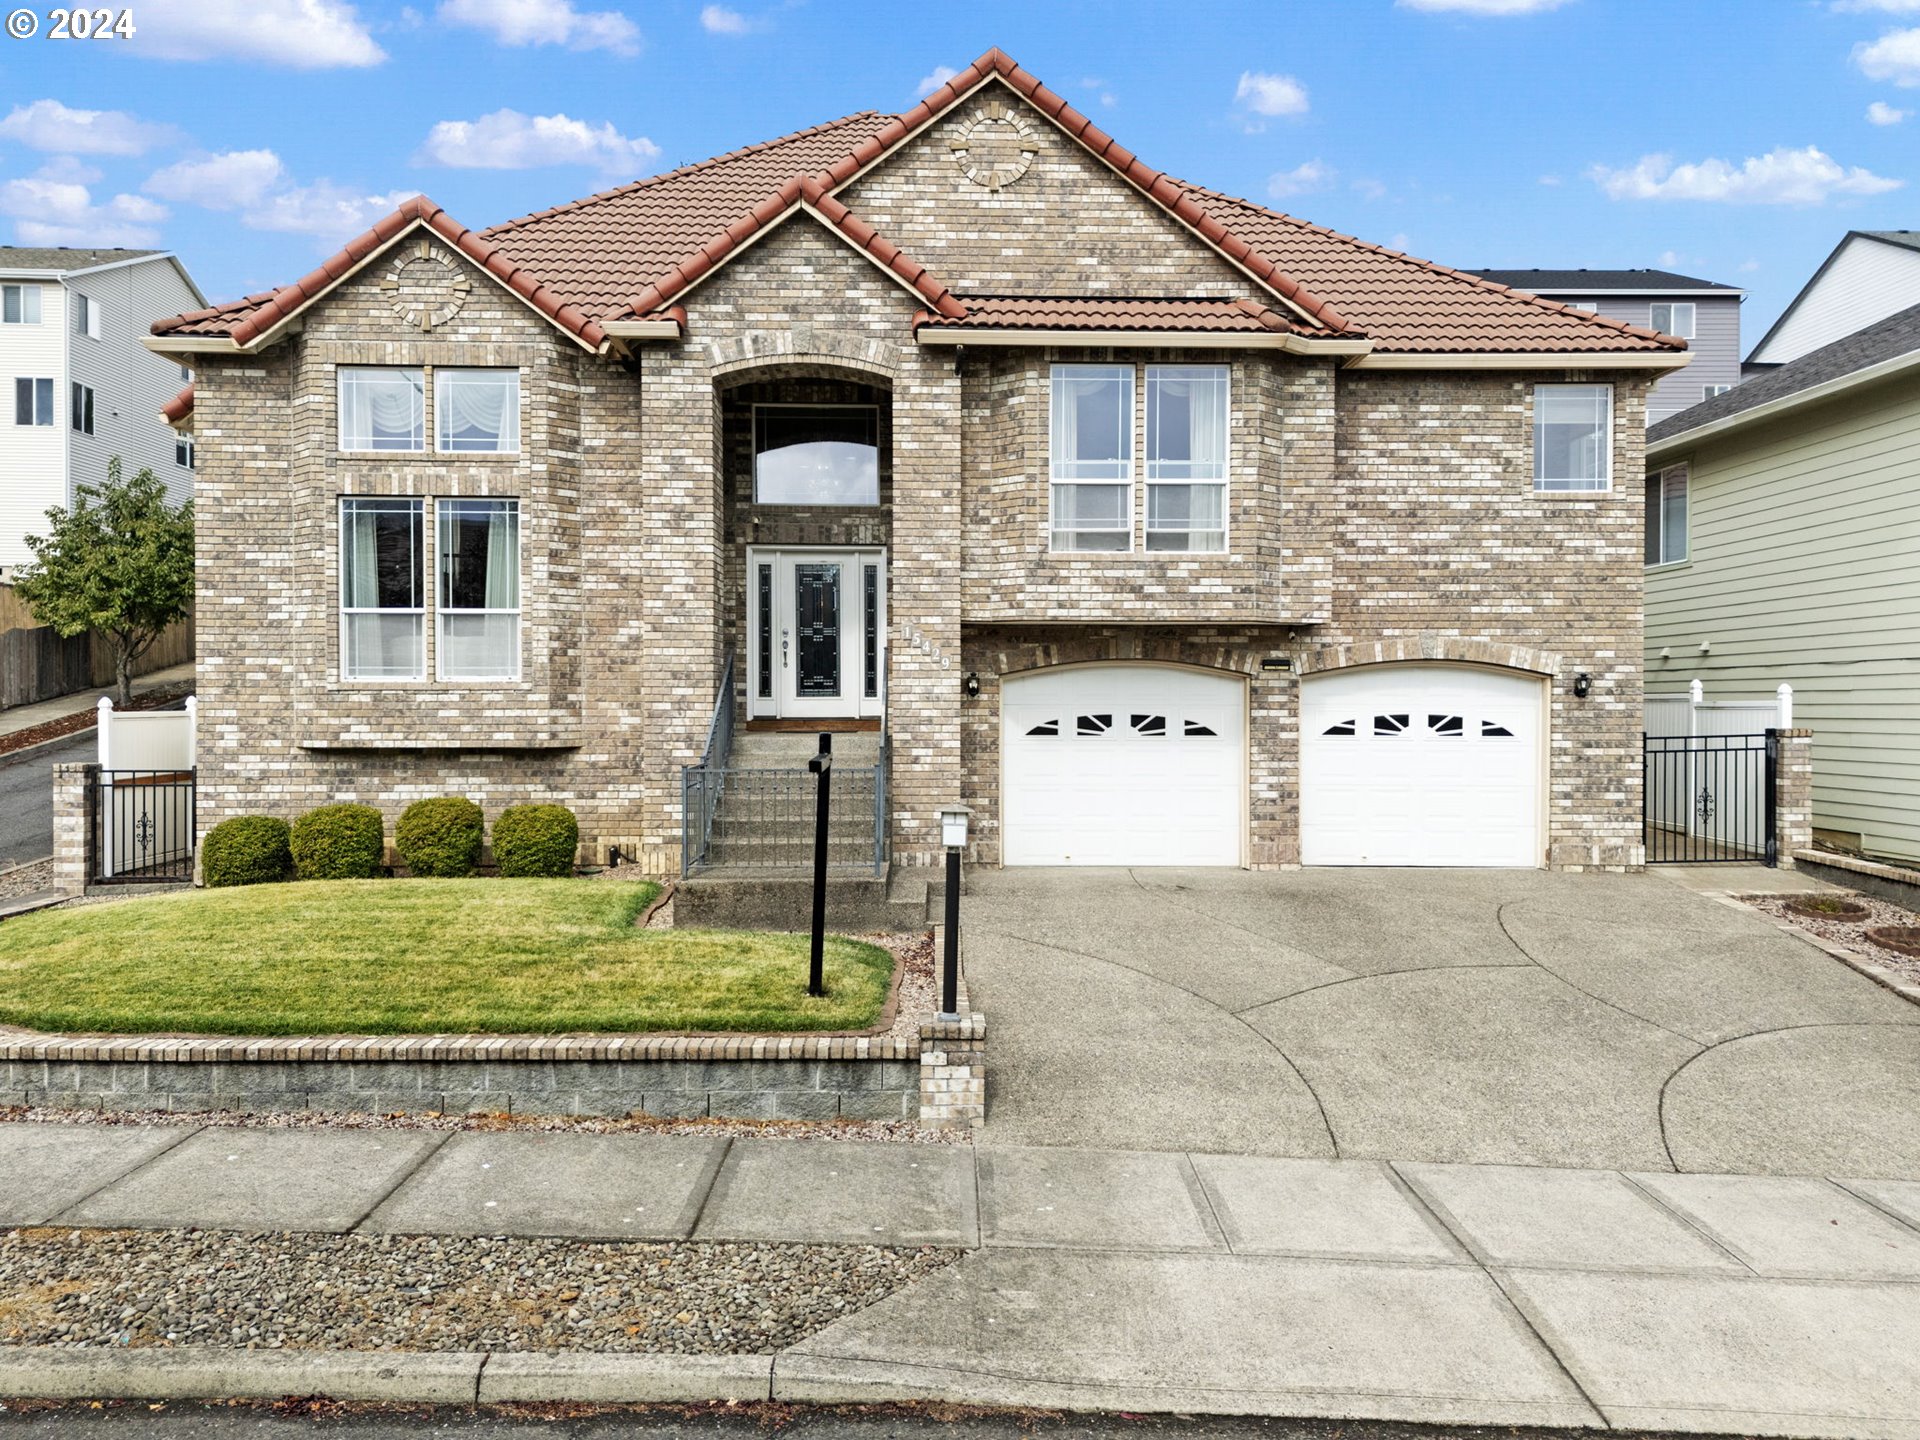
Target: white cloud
1551,180
545,22
227,181
1303,179
1484,7
332,214
1370,189
1400,241
1747,267
55,207
508,140
1895,56
1107,97
301,34
1268,96
1886,7
1881,113
1671,259
933,80
1807,176
719,20
49,125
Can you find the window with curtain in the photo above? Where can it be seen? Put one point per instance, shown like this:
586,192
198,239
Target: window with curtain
1187,457
382,589
1674,319
477,411
478,635
20,304
1572,441
382,409
1667,516
32,401
816,455
1091,450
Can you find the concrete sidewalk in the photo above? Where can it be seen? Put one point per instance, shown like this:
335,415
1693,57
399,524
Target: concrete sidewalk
1470,1294
25,717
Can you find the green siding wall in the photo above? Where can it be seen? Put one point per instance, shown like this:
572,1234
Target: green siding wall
1804,542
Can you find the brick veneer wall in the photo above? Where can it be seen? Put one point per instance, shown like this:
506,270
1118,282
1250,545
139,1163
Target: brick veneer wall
1375,515
1793,795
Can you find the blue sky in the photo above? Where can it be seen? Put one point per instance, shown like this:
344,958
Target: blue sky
1733,139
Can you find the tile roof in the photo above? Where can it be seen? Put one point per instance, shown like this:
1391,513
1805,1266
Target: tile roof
1107,312
61,257
632,251
1888,339
246,320
1584,281
178,408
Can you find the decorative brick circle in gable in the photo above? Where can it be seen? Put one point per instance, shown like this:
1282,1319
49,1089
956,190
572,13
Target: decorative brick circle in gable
996,147
425,287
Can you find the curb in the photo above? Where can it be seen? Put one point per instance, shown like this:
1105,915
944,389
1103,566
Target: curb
27,752
45,1372
1853,959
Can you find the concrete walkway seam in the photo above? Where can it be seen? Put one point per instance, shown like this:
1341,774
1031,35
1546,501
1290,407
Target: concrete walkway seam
187,1132
404,1176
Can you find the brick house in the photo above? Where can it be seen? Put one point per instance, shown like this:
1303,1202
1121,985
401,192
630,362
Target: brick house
1156,526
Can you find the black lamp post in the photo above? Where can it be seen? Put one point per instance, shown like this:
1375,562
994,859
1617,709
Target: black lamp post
822,766
953,834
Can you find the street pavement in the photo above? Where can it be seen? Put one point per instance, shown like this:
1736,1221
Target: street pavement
26,798
1138,1280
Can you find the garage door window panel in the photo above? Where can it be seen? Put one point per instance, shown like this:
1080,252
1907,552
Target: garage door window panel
1091,458
1187,457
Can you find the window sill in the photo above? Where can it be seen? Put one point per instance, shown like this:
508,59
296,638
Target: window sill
1666,565
484,457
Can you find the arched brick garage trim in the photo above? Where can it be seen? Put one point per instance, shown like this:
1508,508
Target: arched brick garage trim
1443,648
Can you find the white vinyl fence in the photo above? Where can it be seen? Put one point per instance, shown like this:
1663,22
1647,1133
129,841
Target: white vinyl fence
1715,793
146,791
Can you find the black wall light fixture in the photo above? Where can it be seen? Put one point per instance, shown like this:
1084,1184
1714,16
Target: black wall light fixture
970,687
1582,685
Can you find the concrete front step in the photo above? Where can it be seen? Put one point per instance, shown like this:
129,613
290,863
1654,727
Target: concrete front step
791,752
764,898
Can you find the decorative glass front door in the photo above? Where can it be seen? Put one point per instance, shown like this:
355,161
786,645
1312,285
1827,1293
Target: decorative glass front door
816,637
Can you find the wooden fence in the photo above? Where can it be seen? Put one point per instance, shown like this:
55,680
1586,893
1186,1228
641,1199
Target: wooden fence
36,664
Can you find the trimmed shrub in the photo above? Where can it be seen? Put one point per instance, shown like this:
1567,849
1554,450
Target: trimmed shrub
339,842
441,838
536,840
246,850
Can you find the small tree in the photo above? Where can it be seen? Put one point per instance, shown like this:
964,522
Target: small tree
119,562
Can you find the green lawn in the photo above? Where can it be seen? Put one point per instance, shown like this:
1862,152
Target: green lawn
396,957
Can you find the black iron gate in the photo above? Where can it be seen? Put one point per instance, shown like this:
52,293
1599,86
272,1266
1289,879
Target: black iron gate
1709,799
140,826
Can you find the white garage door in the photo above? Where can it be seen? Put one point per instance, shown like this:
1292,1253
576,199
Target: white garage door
1123,765
1421,765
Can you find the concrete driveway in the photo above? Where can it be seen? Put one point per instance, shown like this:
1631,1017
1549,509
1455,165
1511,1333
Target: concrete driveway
1517,1017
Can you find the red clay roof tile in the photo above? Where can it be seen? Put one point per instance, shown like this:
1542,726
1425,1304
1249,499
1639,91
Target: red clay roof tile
630,251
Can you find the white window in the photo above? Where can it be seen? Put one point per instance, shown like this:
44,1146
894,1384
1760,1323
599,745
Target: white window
382,591
477,411
1707,392
20,304
382,409
32,402
1187,457
1667,516
86,316
83,408
1674,319
186,373
479,612
816,455
1572,437
1592,307
183,451
1092,457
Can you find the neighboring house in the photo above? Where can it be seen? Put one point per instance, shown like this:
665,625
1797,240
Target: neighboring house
1782,524
1704,313
1156,526
1870,275
82,387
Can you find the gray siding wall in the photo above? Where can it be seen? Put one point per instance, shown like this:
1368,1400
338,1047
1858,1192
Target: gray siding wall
1803,535
1715,346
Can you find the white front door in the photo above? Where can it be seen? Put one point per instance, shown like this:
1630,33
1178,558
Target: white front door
1422,764
1123,765
816,646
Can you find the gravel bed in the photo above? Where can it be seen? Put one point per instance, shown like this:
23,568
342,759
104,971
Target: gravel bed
78,1288
884,1131
26,879
1850,933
